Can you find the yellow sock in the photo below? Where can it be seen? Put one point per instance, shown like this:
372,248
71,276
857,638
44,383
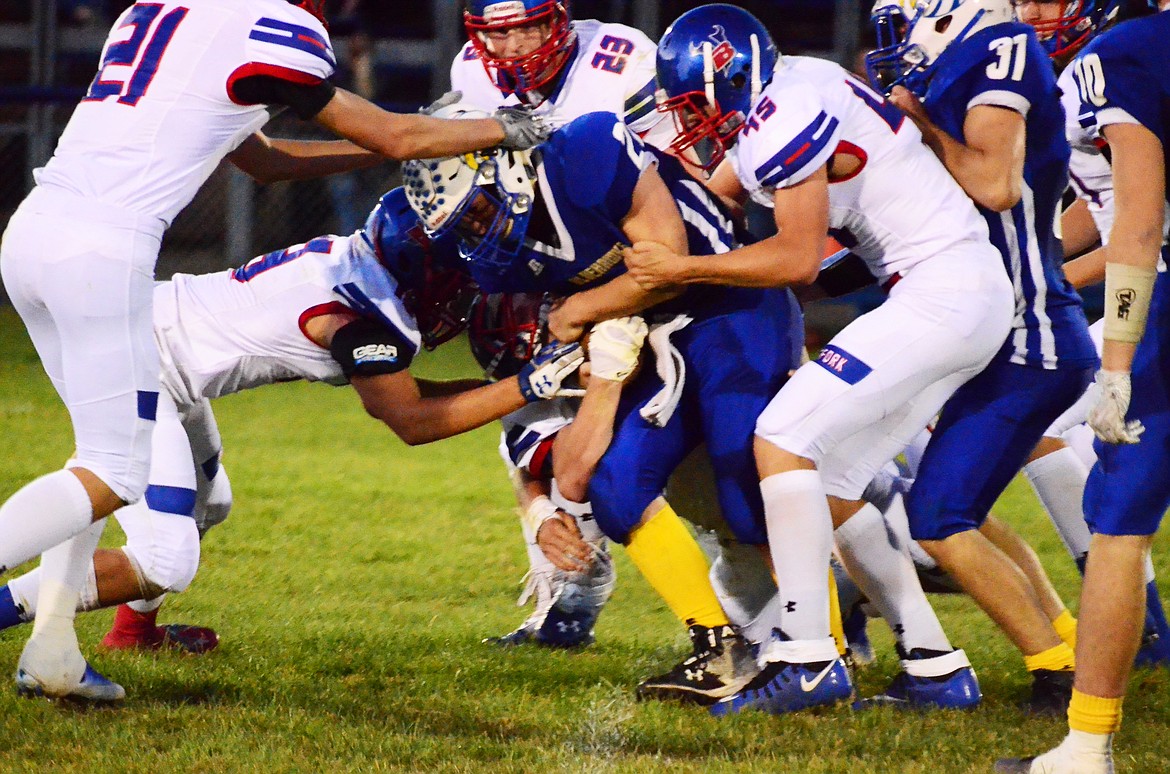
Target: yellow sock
668,557
836,627
1094,714
1058,658
1066,627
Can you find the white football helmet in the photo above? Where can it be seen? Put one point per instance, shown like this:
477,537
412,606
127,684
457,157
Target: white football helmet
941,23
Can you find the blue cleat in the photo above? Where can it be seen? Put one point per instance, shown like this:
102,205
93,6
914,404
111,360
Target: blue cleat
783,687
92,688
940,681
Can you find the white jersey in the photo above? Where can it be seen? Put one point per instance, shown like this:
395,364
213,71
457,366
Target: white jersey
1089,170
612,71
160,114
525,429
899,209
233,330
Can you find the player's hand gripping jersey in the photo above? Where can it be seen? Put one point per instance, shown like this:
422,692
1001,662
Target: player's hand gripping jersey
221,333
814,109
611,70
180,85
1005,66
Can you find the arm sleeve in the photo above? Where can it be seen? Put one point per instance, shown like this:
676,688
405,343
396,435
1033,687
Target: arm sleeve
365,347
305,99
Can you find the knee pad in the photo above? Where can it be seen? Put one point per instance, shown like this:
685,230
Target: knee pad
167,557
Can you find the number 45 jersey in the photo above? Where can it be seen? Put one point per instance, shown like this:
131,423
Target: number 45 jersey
165,106
897,208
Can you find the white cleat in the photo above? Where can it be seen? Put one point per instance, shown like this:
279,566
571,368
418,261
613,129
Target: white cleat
91,688
57,670
1059,760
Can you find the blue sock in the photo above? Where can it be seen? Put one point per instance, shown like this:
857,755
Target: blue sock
1155,615
11,614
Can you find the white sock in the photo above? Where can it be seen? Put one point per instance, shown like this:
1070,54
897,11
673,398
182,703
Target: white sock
1078,753
64,570
886,574
42,514
1059,481
24,591
147,605
800,538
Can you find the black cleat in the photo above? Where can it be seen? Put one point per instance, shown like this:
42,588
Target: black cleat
1051,692
720,665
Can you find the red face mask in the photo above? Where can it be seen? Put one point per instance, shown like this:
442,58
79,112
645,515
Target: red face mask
315,7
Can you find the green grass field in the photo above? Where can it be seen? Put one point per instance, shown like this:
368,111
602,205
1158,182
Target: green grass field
353,583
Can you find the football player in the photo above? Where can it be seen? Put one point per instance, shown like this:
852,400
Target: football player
828,153
555,221
979,87
341,310
532,52
178,89
1122,79
1064,27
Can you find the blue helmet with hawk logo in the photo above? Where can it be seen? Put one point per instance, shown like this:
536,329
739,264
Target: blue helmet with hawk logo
1077,22
712,64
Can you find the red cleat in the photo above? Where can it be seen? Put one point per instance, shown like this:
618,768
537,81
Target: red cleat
139,631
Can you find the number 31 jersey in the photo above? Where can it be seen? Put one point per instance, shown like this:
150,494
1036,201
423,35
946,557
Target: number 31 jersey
899,207
161,113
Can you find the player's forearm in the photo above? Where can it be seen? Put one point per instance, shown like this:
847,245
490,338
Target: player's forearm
580,446
268,160
773,262
985,176
1078,230
405,136
433,419
437,389
620,297
1087,270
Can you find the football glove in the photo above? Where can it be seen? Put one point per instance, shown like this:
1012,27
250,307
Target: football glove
541,377
614,347
448,99
1107,417
522,129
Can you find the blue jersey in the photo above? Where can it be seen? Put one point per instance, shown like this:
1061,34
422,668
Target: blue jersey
587,173
1004,65
1123,76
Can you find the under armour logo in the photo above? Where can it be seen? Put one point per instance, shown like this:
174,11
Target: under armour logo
789,607
569,626
695,675
898,630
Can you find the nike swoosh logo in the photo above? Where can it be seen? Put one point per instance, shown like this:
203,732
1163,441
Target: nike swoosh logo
807,685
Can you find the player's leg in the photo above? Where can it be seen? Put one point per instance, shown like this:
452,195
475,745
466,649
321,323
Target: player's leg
135,622
980,443
96,285
626,493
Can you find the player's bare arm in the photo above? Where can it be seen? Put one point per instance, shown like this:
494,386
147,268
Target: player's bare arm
990,164
557,533
406,136
653,218
267,159
790,257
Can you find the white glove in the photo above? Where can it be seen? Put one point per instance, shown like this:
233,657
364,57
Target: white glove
522,128
541,377
1107,417
614,347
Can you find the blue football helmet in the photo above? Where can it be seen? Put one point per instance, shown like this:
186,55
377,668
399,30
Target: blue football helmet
935,25
891,20
431,283
712,64
1077,23
529,72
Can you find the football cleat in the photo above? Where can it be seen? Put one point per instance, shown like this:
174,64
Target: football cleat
91,688
1051,692
567,606
138,631
1154,651
930,679
783,687
1058,760
720,664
